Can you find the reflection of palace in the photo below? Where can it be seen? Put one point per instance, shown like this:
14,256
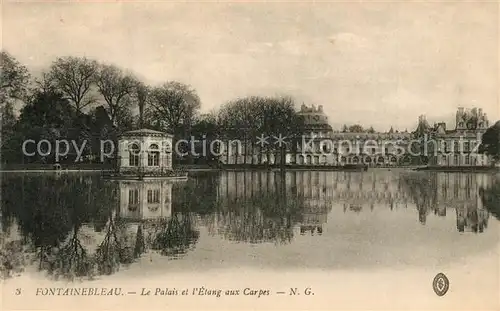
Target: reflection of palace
359,191
145,200
318,191
461,191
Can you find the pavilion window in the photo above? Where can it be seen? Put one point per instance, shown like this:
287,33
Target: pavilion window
154,155
134,152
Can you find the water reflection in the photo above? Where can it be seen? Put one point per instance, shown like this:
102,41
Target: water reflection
75,226
461,192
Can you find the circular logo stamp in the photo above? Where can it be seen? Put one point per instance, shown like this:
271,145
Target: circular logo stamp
441,284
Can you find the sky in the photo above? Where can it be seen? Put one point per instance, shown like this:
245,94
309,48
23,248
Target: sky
379,64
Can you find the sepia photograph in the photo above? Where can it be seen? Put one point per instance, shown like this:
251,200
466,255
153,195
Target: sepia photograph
249,155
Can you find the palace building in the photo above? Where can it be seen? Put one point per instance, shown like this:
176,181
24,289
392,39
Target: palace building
321,145
458,146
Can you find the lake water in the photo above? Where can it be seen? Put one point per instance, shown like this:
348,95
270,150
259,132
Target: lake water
79,226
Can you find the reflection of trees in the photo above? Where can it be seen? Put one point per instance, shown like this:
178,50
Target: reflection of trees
491,198
114,249
50,210
12,259
70,259
196,195
422,189
175,236
262,217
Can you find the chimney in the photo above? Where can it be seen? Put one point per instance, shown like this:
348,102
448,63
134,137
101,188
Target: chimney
320,108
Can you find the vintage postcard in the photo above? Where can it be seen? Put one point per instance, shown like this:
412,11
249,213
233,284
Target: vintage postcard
250,155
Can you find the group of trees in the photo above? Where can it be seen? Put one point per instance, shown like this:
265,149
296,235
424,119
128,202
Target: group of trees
77,98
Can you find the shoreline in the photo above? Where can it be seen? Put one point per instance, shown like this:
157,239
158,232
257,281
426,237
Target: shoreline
274,169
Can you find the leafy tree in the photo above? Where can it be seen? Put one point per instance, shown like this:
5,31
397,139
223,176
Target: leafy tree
371,130
47,116
356,128
345,129
47,109
7,127
14,78
490,142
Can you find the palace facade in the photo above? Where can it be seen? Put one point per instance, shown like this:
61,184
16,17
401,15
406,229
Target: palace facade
320,145
457,146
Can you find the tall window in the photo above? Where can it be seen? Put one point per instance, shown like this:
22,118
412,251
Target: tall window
133,198
154,196
134,151
154,155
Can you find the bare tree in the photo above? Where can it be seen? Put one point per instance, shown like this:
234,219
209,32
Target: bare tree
74,76
254,116
115,85
174,103
141,92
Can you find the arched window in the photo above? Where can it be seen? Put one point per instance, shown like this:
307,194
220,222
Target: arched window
154,155
134,152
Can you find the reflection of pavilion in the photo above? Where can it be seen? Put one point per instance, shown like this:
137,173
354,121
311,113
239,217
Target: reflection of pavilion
145,200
